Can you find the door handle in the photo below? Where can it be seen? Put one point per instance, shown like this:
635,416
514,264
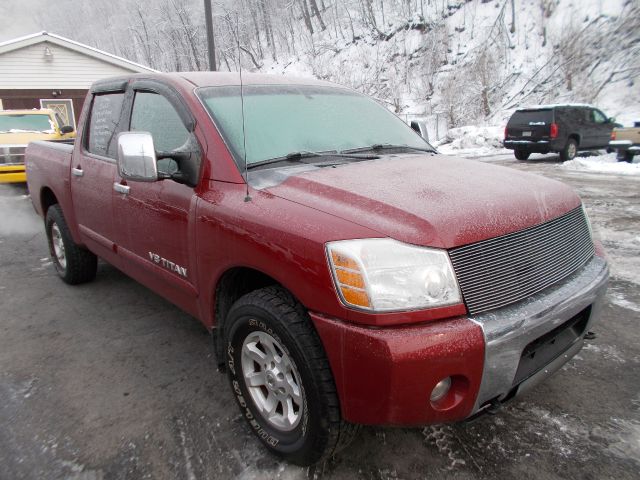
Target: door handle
118,187
77,172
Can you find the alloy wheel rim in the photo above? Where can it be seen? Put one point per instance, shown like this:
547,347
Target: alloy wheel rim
272,380
572,151
58,246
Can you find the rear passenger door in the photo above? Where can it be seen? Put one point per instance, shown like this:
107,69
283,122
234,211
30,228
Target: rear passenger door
93,169
575,122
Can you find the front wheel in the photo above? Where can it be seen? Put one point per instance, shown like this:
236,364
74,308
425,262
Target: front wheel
281,378
569,151
73,263
521,154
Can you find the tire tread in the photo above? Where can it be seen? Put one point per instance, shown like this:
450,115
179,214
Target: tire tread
283,305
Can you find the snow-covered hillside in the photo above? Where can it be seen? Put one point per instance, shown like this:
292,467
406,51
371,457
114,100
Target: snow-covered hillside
461,62
479,60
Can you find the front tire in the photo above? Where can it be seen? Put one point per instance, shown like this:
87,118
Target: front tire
281,378
73,263
521,154
569,151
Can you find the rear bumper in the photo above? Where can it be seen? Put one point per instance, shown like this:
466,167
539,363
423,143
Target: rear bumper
539,146
385,376
624,146
12,174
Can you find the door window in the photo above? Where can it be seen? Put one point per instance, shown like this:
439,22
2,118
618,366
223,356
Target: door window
598,116
154,114
104,124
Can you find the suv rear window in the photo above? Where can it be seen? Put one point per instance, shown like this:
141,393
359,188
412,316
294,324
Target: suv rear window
531,117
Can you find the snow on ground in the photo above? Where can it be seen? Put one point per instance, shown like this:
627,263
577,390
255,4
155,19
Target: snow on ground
472,141
619,299
603,164
16,213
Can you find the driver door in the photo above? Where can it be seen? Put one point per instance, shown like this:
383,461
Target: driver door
152,219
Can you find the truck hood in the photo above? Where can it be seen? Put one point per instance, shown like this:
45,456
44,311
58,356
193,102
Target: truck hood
431,200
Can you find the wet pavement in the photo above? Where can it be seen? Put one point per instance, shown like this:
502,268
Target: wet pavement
109,381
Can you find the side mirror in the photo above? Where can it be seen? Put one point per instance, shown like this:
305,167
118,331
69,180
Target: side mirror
66,129
611,120
137,157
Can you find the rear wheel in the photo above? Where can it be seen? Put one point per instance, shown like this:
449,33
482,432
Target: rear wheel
569,151
73,263
281,378
625,157
521,154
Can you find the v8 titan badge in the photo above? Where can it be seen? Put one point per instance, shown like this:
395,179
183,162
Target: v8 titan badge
169,265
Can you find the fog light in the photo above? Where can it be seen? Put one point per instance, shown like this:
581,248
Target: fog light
441,389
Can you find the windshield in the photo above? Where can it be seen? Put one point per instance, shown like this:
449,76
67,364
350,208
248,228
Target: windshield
283,119
25,122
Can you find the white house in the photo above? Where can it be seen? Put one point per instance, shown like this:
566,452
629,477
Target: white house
44,70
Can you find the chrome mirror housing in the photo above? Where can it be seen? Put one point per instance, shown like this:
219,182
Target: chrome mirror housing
137,157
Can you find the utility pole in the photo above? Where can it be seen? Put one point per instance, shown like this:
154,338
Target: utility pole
211,45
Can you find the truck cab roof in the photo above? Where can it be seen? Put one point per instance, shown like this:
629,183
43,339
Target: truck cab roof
216,79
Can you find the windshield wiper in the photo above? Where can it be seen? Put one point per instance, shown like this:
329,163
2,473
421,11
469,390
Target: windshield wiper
386,146
298,156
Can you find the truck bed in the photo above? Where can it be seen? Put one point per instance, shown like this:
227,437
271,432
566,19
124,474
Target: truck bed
626,142
48,163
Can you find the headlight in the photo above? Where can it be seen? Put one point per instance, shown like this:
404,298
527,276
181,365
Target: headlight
381,274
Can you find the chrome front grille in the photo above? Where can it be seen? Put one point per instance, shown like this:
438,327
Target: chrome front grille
12,154
503,270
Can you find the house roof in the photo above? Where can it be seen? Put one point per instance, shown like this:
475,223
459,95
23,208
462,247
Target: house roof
41,37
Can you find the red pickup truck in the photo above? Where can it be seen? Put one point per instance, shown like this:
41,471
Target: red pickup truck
349,273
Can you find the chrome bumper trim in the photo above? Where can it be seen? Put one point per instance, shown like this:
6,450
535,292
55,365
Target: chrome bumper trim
525,142
509,330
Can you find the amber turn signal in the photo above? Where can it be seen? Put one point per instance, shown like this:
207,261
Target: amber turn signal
349,280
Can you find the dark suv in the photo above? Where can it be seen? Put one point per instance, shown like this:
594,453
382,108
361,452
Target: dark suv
564,129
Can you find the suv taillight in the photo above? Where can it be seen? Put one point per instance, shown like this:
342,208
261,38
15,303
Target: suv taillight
506,132
613,134
553,133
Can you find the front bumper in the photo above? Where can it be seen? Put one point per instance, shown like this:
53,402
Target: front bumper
13,174
385,376
508,331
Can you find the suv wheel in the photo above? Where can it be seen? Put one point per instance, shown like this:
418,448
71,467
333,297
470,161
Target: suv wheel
521,154
570,150
281,379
